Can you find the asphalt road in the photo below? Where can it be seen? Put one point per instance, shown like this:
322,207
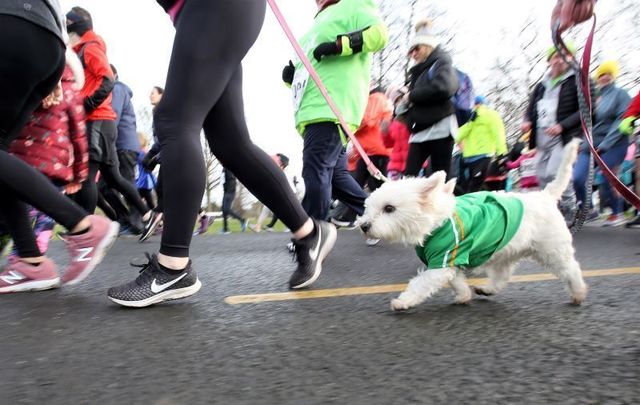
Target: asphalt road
526,345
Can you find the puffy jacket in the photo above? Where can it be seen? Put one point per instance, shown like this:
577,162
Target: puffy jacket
99,79
611,105
432,84
568,113
397,138
370,134
634,107
484,134
54,141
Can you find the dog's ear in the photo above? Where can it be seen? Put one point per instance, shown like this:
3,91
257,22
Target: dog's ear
426,188
450,186
439,177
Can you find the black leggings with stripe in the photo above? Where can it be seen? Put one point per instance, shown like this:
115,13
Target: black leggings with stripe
204,91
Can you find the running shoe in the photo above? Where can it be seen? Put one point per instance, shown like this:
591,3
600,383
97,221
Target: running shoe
340,223
634,223
310,252
154,285
614,220
151,225
87,250
372,241
19,276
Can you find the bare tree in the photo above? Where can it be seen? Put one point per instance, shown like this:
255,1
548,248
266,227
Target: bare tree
213,171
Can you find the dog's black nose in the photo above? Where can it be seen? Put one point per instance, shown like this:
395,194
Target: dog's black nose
365,227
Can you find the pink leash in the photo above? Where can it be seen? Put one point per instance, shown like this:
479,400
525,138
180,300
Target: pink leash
375,172
624,191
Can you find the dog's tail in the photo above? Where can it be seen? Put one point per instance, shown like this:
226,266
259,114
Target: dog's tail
560,183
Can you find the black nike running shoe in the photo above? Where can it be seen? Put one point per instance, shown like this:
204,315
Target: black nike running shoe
155,285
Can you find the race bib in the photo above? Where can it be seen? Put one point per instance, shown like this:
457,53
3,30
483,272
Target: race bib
298,86
547,110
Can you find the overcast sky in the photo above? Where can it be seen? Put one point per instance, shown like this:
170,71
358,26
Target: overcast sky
139,37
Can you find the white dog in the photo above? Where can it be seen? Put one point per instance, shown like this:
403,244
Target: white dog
486,232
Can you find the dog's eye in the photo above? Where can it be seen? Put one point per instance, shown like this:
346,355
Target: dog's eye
389,209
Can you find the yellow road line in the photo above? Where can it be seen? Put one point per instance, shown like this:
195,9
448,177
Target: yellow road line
390,288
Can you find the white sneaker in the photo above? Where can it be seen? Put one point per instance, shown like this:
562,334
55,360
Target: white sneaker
372,241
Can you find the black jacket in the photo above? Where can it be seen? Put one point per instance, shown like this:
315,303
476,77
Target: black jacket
432,84
568,113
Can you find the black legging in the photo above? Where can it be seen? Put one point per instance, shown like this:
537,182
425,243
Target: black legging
147,197
438,150
32,63
87,197
204,91
362,175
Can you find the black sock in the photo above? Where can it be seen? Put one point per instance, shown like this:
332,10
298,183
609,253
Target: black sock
313,233
80,232
172,272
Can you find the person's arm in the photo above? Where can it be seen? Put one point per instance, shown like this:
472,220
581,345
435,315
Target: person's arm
574,120
614,134
118,100
500,135
368,39
96,61
443,84
630,116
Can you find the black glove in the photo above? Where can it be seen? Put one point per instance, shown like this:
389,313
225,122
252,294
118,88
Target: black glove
288,72
149,162
327,49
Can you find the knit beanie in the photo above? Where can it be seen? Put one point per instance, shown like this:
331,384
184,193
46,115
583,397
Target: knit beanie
608,67
424,35
570,46
79,21
480,100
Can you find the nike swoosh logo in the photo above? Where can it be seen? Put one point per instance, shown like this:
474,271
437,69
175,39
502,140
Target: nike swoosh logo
156,288
313,253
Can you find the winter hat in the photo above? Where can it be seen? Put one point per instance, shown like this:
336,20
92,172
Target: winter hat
570,46
479,100
79,21
424,35
608,67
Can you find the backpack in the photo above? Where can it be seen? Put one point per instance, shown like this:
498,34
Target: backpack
463,99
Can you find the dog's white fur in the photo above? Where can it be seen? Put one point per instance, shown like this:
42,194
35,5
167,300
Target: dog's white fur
407,210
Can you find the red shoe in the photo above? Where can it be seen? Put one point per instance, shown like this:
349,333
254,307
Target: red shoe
19,276
88,249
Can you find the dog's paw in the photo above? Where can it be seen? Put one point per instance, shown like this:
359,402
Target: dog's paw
578,298
482,291
399,305
466,300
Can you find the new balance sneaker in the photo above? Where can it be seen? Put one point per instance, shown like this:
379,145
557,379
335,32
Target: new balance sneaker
310,252
19,276
150,226
155,285
87,250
